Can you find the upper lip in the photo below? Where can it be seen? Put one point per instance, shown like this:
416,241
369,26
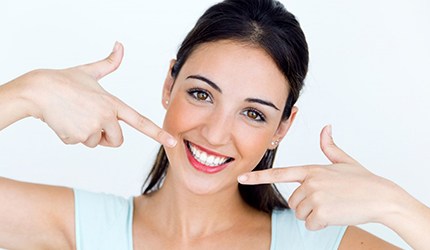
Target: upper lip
210,152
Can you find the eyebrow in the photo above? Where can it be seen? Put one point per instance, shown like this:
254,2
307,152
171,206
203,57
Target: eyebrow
267,103
204,79
216,87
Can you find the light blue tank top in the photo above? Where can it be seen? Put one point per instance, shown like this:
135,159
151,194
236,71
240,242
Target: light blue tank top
104,221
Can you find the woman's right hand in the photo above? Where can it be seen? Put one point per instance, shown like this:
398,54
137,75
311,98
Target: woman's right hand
79,110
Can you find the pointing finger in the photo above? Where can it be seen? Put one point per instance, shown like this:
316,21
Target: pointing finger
274,175
144,125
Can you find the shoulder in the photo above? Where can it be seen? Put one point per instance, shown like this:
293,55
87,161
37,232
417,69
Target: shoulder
290,233
109,202
356,237
102,220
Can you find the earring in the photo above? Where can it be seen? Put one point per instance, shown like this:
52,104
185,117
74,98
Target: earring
167,102
275,143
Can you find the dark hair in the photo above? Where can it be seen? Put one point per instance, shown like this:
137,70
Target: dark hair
268,25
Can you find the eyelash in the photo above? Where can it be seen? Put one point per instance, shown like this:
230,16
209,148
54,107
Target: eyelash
261,116
195,91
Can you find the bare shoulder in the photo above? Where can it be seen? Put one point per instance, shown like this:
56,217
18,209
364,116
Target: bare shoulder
35,216
357,238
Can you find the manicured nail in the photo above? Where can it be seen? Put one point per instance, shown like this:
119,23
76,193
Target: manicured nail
242,178
171,142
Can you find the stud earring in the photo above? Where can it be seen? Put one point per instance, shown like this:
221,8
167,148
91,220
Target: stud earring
275,143
167,102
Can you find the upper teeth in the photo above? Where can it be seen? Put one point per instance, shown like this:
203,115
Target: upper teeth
204,158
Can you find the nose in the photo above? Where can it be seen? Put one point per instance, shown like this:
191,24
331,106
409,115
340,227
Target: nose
218,127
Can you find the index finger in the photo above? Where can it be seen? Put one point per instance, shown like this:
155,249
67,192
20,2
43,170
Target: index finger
274,175
144,125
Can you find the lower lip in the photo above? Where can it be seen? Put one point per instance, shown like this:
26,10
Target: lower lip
201,167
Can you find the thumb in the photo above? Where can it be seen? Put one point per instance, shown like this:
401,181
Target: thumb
103,67
331,150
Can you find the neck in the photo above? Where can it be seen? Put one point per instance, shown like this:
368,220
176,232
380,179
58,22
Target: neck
190,215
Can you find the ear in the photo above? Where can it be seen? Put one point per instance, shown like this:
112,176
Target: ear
168,84
283,128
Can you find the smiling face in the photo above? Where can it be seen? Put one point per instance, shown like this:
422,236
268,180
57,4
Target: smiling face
225,110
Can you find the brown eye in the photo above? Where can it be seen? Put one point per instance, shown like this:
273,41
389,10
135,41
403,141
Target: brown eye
200,95
254,115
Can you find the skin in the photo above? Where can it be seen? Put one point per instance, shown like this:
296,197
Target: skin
345,193
46,95
192,203
195,203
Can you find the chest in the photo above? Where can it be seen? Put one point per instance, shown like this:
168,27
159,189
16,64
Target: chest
253,233
244,240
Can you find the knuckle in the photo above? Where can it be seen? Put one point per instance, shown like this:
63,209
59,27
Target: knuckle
83,137
90,144
263,176
316,199
277,174
64,138
117,143
311,185
319,215
300,215
315,222
310,225
66,141
142,122
292,204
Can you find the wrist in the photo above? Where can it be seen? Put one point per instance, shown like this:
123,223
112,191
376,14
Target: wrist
401,208
28,92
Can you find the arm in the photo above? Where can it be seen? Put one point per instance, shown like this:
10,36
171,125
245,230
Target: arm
76,107
13,106
356,238
345,193
36,216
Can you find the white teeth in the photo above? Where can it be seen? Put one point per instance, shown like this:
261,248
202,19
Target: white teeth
217,160
210,160
204,158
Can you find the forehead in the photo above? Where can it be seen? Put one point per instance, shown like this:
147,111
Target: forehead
238,68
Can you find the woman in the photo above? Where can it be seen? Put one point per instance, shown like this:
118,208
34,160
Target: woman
229,99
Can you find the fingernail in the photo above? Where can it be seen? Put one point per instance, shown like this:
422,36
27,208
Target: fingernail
171,142
242,178
115,47
329,130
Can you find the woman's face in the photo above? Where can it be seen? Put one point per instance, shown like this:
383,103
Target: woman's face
225,110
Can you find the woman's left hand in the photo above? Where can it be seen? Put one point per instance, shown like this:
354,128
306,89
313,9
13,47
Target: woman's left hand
343,193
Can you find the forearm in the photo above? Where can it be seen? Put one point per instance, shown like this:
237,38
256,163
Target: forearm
13,105
410,219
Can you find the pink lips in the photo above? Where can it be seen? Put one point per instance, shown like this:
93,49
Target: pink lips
202,167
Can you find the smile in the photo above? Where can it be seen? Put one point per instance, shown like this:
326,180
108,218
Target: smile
205,160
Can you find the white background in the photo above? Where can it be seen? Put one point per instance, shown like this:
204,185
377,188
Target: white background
368,77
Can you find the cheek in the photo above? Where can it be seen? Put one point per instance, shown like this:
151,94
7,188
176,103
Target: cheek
252,145
179,117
